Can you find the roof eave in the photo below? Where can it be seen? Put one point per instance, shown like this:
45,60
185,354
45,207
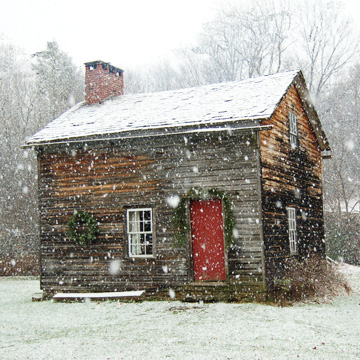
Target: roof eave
300,84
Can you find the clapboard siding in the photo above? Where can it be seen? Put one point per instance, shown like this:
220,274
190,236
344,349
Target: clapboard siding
107,178
290,177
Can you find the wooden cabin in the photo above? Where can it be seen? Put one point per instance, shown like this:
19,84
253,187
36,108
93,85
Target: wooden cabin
206,191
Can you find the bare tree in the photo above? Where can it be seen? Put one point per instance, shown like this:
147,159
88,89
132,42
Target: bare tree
159,77
244,41
253,38
324,43
343,126
342,172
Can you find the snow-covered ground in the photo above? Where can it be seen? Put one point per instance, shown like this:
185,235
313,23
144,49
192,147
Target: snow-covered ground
174,330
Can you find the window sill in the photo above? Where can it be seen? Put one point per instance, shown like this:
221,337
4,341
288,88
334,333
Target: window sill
141,256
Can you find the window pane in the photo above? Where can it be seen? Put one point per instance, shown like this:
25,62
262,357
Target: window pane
134,244
133,223
132,226
293,129
147,226
149,250
148,239
147,215
132,215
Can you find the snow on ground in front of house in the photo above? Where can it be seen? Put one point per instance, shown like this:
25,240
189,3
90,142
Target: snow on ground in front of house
174,330
352,274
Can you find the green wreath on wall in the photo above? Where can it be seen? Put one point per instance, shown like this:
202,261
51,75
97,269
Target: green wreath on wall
180,221
83,228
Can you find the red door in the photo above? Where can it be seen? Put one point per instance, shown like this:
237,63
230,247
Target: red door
208,240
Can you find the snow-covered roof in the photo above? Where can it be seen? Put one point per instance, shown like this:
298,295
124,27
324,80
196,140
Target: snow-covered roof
208,105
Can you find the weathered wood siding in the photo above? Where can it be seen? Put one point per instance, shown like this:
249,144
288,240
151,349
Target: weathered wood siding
107,178
291,177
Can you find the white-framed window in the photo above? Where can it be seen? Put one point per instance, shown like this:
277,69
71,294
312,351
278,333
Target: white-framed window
139,229
291,214
293,127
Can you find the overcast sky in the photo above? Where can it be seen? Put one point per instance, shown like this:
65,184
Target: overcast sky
123,32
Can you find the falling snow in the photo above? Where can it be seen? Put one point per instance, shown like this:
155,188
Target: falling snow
173,201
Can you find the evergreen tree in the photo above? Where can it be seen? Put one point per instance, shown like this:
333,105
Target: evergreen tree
60,83
31,94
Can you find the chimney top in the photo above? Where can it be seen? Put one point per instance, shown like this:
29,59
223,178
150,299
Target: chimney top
94,64
102,80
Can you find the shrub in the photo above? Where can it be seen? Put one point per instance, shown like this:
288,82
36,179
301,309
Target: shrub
22,265
310,278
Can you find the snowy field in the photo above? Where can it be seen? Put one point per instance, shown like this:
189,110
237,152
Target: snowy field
174,330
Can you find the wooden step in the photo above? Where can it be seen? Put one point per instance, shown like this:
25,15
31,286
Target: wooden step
99,296
221,291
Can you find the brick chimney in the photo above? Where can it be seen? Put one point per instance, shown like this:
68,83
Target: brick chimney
102,81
